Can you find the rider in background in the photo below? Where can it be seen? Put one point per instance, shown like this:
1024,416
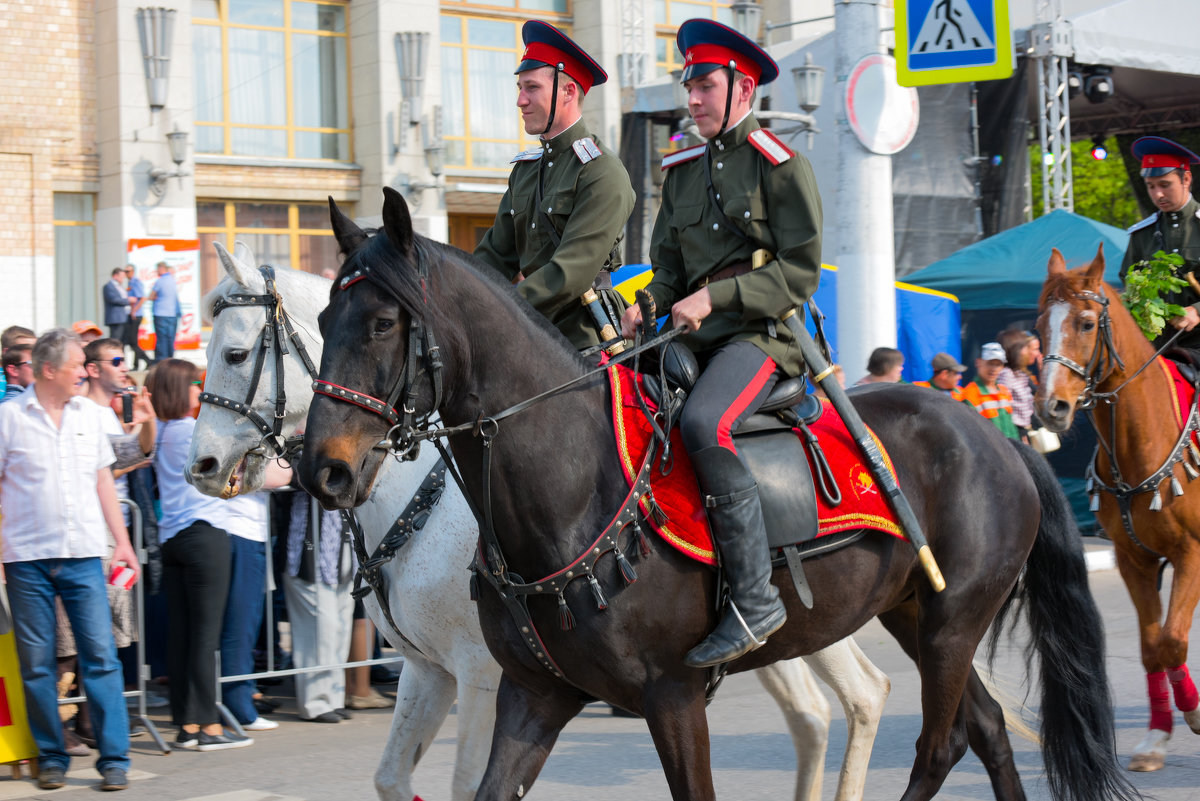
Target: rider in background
1174,228
737,243
558,225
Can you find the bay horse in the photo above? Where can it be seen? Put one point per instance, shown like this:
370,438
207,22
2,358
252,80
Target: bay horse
427,580
408,316
1098,359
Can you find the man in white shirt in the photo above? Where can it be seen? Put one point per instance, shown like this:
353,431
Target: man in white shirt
57,492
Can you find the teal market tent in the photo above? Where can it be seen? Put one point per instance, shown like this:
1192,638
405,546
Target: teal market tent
1006,271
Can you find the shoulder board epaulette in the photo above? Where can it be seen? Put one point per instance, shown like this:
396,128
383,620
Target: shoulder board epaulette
680,156
1140,225
586,149
769,145
531,154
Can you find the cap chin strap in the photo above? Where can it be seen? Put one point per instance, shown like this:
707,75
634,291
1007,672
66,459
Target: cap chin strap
728,97
553,99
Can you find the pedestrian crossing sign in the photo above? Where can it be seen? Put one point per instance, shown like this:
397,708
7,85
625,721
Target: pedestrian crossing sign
952,41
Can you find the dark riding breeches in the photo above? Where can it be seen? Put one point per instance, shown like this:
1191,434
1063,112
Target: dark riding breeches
733,383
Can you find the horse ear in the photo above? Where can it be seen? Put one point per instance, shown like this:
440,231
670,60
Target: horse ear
243,253
235,268
349,236
1057,265
1095,270
396,220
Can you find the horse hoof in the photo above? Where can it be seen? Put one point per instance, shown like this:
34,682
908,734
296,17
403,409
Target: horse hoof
1193,719
1151,752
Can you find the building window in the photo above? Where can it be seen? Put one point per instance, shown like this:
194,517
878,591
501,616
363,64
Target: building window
669,15
77,292
294,235
480,120
271,78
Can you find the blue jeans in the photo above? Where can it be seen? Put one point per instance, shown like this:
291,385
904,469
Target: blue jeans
81,585
243,615
164,337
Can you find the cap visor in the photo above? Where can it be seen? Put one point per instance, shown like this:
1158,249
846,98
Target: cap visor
530,64
1156,172
696,70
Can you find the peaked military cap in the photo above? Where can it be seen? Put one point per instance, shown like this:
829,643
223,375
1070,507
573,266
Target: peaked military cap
1160,156
547,46
707,45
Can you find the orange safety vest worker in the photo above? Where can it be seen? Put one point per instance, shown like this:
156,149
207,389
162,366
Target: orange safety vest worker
955,392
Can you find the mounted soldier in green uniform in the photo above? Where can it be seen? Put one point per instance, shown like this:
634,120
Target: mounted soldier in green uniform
736,245
559,224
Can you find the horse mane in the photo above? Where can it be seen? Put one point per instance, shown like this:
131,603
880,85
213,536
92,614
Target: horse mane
388,271
1065,286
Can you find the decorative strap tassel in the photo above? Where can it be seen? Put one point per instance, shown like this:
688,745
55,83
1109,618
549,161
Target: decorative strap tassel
1089,485
643,543
566,620
656,511
1176,487
474,585
597,593
1194,451
1094,506
1191,471
626,568
1156,502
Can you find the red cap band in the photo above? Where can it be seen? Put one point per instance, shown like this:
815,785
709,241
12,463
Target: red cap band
716,54
549,54
1168,160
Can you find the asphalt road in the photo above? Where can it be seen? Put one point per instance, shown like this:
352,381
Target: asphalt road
612,759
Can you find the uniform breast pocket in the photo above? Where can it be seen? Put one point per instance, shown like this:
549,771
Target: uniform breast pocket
558,207
522,204
695,240
748,213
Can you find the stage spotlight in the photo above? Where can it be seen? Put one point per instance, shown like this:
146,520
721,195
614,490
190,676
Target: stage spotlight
1098,84
1074,84
1099,151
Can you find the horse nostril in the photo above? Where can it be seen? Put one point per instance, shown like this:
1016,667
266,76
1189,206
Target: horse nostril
1060,409
335,480
204,466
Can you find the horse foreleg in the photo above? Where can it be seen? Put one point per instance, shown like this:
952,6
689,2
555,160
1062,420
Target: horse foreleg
476,721
1173,643
863,689
807,715
423,698
675,714
1140,573
528,723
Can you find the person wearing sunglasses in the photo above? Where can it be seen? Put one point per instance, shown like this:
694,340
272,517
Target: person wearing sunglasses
18,369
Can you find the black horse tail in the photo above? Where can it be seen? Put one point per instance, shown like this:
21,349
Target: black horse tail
1078,735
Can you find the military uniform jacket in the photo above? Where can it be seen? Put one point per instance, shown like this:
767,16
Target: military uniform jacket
776,206
1180,234
588,198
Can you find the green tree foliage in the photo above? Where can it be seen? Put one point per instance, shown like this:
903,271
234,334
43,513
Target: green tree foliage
1102,190
1145,284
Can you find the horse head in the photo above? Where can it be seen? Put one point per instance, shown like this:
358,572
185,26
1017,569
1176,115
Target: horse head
1075,329
244,377
378,311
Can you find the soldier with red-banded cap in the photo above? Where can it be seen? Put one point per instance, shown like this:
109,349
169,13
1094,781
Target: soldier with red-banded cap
558,225
1173,228
737,243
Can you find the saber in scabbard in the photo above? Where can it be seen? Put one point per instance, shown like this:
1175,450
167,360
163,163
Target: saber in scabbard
608,332
823,375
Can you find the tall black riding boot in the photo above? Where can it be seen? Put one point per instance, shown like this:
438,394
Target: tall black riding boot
735,516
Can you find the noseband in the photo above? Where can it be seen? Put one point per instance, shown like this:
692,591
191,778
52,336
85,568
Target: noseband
1104,359
276,331
422,351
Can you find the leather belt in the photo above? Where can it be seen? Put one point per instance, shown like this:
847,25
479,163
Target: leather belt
732,271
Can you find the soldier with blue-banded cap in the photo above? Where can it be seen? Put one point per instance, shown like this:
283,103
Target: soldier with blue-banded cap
736,245
1173,228
559,223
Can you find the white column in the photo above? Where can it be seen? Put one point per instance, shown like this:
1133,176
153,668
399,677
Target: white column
864,250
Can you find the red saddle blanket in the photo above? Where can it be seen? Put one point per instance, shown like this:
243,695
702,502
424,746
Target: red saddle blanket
678,495
1181,401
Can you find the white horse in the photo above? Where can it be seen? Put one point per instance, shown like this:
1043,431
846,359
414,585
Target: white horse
427,581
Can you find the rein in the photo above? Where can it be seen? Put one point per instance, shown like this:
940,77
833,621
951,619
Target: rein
276,331
1121,490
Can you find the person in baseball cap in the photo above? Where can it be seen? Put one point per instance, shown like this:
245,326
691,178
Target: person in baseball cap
1174,228
87,330
947,372
556,231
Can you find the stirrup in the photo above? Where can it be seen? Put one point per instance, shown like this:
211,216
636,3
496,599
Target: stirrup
753,638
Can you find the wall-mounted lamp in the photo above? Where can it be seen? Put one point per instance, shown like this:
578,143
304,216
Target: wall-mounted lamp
177,142
435,159
155,28
747,18
810,80
410,59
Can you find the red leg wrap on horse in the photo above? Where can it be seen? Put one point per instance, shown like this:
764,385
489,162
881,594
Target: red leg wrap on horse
1186,697
1161,717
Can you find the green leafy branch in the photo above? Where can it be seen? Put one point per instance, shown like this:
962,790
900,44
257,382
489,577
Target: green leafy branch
1145,285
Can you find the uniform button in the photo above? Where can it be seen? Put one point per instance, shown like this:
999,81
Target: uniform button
1176,250
718,196
716,226
747,215
720,165
549,209
512,212
533,225
550,164
1175,225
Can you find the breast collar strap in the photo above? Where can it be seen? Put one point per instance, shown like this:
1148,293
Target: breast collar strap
422,359
274,336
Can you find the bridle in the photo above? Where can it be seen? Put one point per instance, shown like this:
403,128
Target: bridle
274,336
1104,353
422,359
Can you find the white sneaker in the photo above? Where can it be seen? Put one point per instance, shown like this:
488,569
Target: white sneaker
260,724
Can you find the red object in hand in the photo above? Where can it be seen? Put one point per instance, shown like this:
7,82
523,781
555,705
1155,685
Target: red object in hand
123,577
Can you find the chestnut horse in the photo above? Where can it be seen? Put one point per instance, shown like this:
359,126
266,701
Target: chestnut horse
429,330
1098,359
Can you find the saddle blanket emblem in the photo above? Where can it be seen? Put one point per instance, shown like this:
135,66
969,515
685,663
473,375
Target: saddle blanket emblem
678,495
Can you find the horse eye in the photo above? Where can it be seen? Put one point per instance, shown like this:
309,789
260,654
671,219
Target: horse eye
1088,325
236,356
383,325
